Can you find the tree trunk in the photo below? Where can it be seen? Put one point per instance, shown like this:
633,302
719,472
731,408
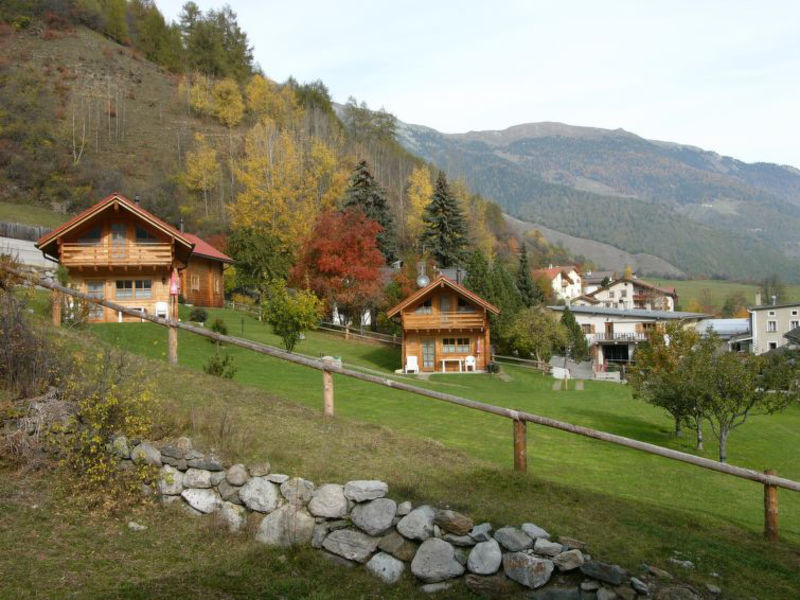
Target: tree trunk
723,445
699,423
678,428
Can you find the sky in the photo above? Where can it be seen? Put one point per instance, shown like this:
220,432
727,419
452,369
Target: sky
723,76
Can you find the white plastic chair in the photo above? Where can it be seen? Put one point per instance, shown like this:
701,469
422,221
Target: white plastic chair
161,309
470,361
412,365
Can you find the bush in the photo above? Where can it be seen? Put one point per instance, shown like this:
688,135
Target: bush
198,315
220,365
492,367
219,327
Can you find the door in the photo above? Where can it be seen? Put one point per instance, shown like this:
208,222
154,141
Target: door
95,290
444,308
119,241
428,358
609,331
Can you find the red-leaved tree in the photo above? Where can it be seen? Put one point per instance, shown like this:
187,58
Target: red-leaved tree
341,262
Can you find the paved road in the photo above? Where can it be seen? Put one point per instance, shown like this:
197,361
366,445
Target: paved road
25,252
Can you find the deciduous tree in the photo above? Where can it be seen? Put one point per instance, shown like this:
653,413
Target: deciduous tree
290,314
202,168
536,333
419,190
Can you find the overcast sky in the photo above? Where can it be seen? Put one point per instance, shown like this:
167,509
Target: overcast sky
721,75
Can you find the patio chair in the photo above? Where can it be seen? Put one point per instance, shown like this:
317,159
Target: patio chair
412,365
470,361
161,309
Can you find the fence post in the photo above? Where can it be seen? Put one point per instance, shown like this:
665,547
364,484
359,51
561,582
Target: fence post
172,338
56,310
327,387
520,446
770,509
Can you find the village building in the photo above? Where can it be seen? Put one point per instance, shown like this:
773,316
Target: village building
445,328
630,293
565,282
594,280
769,323
202,281
613,333
734,334
118,251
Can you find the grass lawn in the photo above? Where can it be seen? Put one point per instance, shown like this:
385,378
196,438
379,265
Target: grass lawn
28,214
719,290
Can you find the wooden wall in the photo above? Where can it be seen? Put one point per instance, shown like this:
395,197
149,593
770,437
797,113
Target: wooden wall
206,275
159,291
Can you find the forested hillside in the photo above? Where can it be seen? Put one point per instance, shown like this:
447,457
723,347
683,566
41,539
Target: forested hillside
708,215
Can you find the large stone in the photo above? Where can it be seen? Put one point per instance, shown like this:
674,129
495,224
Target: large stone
197,478
180,449
556,593
534,531
170,481
418,524
572,544
485,558
459,540
677,592
513,539
178,463
229,492
287,526
374,517
547,548
386,567
612,574
453,522
351,544
398,546
278,478
208,462
217,477
234,516
120,447
146,453
363,490
404,508
526,569
569,560
205,501
625,592
297,491
237,474
260,495
494,586
640,586
259,469
606,594
435,561
328,501
482,532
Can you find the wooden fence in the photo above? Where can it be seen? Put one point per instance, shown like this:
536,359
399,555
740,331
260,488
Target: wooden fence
519,419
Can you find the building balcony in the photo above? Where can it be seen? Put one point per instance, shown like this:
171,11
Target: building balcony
442,321
129,255
594,338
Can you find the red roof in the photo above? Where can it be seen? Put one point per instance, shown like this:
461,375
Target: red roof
206,250
442,280
553,272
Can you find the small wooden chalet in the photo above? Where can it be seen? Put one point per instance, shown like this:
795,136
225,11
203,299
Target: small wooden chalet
201,280
118,251
445,328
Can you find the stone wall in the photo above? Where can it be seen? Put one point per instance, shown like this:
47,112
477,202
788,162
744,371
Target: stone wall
359,522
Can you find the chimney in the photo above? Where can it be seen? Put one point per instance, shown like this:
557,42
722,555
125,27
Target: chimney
758,298
136,199
181,225
774,300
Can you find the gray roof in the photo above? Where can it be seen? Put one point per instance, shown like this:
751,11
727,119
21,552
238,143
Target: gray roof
769,306
725,328
793,335
636,313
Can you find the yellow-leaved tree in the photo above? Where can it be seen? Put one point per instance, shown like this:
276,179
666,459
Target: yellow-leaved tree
419,191
200,99
474,209
202,169
267,100
229,110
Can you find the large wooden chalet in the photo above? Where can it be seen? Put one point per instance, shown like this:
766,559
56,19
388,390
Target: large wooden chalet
445,328
118,251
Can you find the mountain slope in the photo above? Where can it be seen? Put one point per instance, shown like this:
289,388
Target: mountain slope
706,214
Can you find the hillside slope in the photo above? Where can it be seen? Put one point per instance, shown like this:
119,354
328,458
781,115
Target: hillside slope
705,214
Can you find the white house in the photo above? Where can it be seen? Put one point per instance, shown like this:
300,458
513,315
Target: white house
770,322
632,293
565,281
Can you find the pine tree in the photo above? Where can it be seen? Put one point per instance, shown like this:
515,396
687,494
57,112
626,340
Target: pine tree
478,277
577,346
530,292
445,234
367,194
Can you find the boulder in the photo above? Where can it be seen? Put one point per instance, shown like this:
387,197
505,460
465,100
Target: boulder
146,453
625,592
482,532
513,539
170,481
179,449
287,526
528,570
556,593
404,508
459,540
260,495
208,462
677,592
233,515
435,588
328,501
237,474
178,463
375,516
494,586
386,567
435,561
228,492
259,469
278,478
363,490
534,531
640,586
120,447
569,560
418,524
202,500
572,544
453,522
398,546
547,548
606,594
297,491
612,574
217,477
351,544
197,478
485,558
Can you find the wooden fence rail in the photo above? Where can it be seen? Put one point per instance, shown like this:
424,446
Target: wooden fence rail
768,479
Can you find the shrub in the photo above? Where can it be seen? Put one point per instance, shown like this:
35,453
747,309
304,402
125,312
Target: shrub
198,315
220,365
219,327
492,367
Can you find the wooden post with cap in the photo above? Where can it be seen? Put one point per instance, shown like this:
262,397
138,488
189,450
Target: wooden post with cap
770,509
520,446
172,339
56,308
327,387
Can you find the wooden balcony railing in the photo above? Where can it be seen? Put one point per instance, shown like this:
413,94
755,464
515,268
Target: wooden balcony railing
94,255
616,337
443,320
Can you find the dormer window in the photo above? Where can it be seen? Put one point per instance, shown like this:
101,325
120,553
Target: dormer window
425,308
464,306
143,236
92,236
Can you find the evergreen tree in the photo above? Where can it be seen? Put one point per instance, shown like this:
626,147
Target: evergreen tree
445,233
528,290
576,344
478,277
367,194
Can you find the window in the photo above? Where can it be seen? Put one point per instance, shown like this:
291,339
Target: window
772,326
773,345
217,287
772,313
195,283
426,307
91,237
124,288
586,328
611,294
144,288
455,345
464,306
145,237
794,324
794,313
623,294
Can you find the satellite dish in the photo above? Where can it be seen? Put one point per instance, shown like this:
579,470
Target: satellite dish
423,280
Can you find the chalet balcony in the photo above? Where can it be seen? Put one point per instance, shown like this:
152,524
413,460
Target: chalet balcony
129,255
594,338
443,321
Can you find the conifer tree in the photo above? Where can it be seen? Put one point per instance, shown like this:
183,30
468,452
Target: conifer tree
478,277
528,290
577,346
445,233
365,193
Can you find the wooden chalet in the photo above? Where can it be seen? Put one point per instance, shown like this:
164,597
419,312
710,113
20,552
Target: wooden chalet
118,251
445,328
202,279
